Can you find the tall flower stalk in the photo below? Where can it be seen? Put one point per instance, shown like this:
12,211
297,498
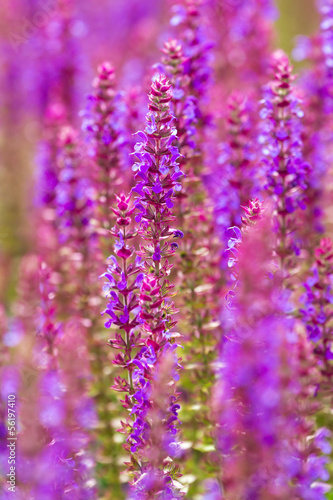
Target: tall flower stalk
74,227
187,64
56,414
266,437
238,181
57,60
316,313
283,162
140,295
325,8
104,141
184,103
317,83
102,126
189,18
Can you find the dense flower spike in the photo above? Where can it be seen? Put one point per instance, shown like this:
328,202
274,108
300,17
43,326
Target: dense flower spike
187,62
259,398
155,480
58,60
237,163
283,162
188,17
158,175
317,85
122,288
316,138
47,154
55,408
184,104
326,10
105,139
50,150
79,267
140,293
317,312
74,208
74,223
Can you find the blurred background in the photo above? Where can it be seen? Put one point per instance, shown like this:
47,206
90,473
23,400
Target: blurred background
129,33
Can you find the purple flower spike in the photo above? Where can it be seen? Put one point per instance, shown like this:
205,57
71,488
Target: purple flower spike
316,311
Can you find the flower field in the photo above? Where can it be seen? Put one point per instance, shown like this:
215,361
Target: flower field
166,261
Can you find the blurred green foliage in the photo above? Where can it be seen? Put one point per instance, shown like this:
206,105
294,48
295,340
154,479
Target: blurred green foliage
297,17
